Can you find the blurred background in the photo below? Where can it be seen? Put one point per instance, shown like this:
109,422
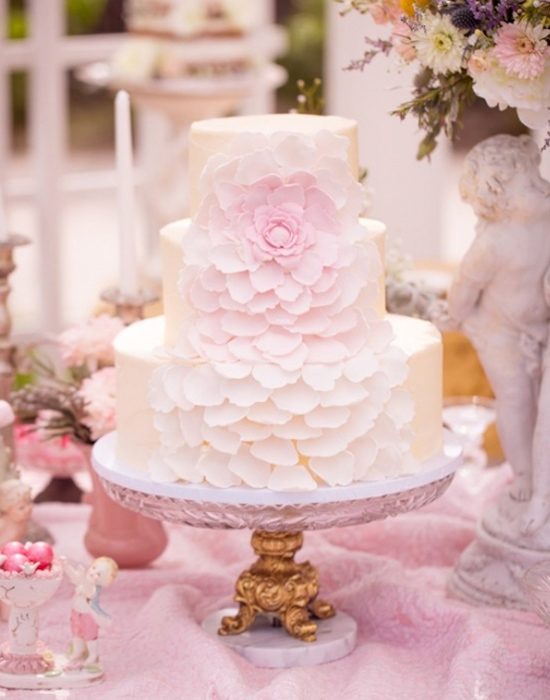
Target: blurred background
57,157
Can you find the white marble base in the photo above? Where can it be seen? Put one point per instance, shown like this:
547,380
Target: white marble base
57,678
272,647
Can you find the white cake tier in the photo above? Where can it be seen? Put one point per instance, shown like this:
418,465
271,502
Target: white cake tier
173,260
192,18
139,351
213,136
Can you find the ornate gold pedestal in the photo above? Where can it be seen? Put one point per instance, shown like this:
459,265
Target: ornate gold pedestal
276,585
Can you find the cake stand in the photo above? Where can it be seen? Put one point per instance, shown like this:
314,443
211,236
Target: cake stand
275,585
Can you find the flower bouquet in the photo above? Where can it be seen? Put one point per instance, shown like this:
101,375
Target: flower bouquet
498,50
70,394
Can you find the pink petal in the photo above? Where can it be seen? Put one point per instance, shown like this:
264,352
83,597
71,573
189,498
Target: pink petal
327,417
294,360
309,270
202,299
239,287
244,325
321,377
211,327
345,393
277,341
242,349
280,317
300,305
262,302
254,166
326,281
296,398
272,377
248,431
268,413
244,392
201,387
345,321
226,259
223,415
294,152
363,365
325,350
289,290
275,451
287,193
296,429
212,280
233,370
267,277
313,322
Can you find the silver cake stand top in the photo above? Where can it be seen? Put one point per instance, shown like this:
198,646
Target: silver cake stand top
236,507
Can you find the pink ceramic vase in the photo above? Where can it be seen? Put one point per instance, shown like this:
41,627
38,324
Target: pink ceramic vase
130,538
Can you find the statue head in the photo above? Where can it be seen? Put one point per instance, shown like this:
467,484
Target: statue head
15,500
500,177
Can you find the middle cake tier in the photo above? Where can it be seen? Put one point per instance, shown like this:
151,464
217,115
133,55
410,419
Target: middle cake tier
173,261
139,351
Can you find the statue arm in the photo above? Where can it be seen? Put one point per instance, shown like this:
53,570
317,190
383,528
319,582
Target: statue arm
475,273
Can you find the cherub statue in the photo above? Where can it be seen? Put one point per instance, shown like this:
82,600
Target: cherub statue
497,297
87,616
15,510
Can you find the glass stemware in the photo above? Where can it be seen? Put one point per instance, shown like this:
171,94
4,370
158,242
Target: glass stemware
469,417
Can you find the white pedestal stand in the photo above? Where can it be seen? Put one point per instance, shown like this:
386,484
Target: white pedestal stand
277,512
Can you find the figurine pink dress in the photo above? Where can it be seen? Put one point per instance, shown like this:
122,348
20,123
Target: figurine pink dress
87,616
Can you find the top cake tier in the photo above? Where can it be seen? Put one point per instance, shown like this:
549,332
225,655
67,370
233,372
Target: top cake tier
213,136
189,19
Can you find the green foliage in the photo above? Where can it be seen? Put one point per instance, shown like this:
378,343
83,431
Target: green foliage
306,29
83,15
438,104
310,97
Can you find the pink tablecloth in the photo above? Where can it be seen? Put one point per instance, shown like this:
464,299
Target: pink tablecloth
414,643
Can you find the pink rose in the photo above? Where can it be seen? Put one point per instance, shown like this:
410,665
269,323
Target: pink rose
90,343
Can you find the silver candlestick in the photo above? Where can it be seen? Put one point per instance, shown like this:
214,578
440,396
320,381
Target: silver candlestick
129,307
7,347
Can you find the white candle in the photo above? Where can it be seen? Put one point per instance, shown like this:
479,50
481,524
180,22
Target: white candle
3,218
128,269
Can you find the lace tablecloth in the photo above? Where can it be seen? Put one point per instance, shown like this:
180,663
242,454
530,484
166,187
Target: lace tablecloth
414,642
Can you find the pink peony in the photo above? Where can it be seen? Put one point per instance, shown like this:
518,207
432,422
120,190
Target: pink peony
99,394
521,49
90,343
401,41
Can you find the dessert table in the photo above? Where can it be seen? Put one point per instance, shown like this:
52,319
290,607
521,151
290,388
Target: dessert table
389,575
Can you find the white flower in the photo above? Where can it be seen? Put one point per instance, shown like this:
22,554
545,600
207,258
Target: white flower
530,96
439,44
136,60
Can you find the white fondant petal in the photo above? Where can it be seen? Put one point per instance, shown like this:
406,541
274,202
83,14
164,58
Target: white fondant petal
296,398
268,413
201,387
223,415
335,471
275,451
296,429
327,417
249,431
222,439
295,478
160,471
254,472
272,376
400,407
213,466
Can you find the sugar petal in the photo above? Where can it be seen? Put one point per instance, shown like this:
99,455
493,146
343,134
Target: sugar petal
221,439
275,451
363,365
268,413
253,472
295,478
160,471
184,463
336,470
267,277
244,392
249,431
239,287
400,407
272,376
278,341
226,259
201,387
327,417
213,466
321,377
296,429
224,414
297,398
330,443
244,325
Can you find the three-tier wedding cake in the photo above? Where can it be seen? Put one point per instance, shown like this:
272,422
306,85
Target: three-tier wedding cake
275,364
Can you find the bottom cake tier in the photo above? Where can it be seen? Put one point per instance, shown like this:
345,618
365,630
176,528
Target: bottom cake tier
139,351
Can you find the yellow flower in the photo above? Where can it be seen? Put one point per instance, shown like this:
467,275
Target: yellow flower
409,6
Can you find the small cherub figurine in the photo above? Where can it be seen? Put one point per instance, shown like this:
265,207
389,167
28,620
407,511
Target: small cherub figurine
87,616
497,297
15,510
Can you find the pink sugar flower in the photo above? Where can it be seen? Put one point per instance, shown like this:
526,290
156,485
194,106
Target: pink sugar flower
90,343
521,49
99,394
385,11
